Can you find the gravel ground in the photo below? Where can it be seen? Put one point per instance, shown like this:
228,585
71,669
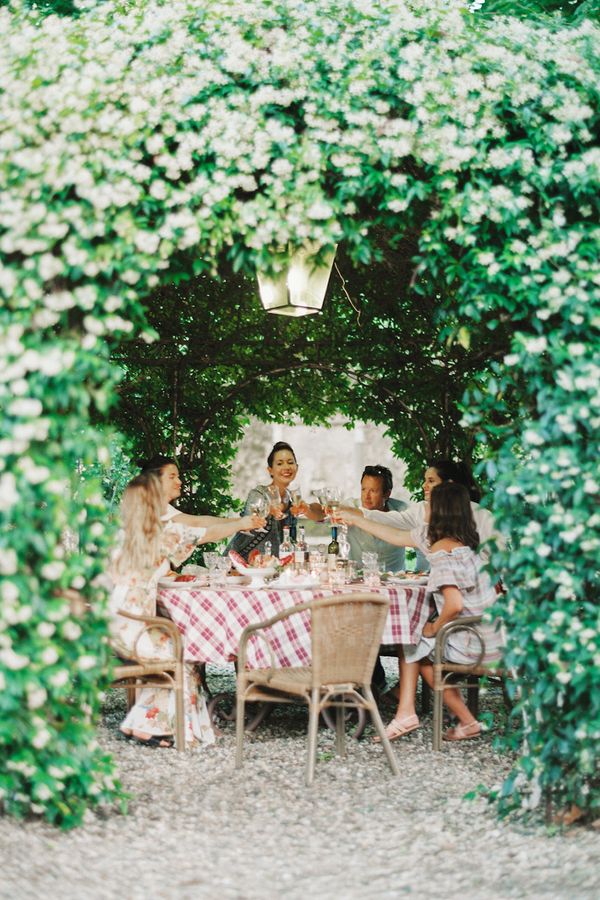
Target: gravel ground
199,829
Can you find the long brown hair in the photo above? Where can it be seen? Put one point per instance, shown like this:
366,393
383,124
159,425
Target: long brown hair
141,509
451,515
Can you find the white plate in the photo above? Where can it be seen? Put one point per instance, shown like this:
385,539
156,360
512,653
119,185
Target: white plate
396,579
181,585
296,585
240,580
194,570
256,574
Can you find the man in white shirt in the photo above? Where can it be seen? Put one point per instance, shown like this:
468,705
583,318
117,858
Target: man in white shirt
375,489
416,515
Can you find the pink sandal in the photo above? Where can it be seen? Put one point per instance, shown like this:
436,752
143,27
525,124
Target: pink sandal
463,732
399,727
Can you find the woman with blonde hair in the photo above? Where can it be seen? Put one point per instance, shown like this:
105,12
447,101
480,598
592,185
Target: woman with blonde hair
146,553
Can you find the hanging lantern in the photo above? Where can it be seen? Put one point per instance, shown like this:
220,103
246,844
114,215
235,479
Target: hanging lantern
299,290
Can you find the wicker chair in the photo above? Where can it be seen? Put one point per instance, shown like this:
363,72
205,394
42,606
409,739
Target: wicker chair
137,672
455,675
345,636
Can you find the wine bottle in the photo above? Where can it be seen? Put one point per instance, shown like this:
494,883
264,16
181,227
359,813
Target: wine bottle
333,550
286,548
301,551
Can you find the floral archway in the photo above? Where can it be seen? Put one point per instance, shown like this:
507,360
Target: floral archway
135,133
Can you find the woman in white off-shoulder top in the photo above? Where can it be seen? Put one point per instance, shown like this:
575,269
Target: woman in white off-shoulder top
460,587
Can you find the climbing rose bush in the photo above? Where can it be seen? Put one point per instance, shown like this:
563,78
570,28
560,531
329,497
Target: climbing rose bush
138,140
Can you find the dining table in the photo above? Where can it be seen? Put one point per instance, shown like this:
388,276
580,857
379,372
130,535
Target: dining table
211,620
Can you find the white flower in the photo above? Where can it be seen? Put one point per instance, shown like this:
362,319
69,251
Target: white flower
544,550
46,629
93,326
563,677
147,241
536,345
59,679
10,591
71,631
36,698
13,660
532,437
52,570
40,740
319,210
86,662
26,408
9,496
49,656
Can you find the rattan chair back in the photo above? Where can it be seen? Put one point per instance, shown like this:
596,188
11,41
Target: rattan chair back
345,636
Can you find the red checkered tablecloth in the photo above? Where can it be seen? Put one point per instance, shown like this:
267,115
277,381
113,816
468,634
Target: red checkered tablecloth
211,621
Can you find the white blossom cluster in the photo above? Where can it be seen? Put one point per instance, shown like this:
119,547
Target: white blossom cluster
138,132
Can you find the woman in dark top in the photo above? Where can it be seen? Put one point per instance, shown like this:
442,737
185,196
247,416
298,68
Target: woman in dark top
283,468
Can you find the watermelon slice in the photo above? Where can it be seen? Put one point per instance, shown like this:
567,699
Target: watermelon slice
238,560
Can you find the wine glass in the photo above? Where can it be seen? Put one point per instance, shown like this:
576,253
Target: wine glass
332,501
343,542
276,501
295,501
259,506
210,560
370,561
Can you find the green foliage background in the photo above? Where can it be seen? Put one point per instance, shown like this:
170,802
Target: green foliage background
451,157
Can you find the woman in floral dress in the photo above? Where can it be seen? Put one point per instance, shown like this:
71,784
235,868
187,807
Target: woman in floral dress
146,554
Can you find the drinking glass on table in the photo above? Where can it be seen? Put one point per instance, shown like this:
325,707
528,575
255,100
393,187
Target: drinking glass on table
210,560
219,574
370,560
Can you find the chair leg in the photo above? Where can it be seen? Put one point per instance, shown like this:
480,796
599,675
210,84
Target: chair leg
380,728
340,735
179,709
438,712
425,697
130,697
240,715
313,723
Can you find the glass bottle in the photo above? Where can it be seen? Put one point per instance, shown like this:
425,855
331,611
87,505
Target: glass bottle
301,551
286,548
333,550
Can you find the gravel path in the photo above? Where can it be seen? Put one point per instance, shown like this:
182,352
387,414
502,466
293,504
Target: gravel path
199,829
